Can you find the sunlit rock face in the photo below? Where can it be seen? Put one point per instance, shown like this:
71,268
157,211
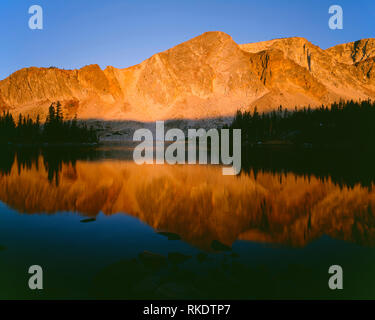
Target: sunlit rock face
353,52
208,76
324,76
198,202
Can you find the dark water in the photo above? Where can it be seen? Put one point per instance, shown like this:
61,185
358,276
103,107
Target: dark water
101,226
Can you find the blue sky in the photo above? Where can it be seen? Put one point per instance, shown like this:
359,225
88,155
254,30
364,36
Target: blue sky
125,32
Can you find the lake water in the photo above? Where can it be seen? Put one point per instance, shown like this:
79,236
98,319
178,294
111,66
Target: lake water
101,226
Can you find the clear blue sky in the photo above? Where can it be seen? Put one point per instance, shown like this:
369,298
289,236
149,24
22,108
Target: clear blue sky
125,32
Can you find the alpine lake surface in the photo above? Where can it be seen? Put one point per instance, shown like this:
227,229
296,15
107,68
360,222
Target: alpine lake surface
103,227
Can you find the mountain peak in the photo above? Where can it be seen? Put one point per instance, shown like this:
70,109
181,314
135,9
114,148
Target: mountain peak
210,39
217,34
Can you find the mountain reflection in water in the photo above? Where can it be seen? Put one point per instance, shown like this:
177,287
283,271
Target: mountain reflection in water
195,202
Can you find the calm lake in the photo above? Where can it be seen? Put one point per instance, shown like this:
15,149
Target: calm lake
101,226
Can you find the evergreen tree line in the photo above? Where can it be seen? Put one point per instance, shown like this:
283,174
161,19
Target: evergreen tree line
346,123
54,130
53,158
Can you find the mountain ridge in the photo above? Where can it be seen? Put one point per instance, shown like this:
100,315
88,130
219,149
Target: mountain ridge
208,76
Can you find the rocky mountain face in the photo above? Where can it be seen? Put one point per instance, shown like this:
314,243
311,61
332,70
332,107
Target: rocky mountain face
209,76
353,52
